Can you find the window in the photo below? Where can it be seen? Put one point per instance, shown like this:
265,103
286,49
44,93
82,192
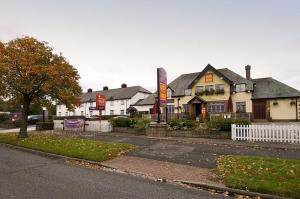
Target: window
111,112
59,113
59,106
186,108
122,112
91,104
241,107
66,113
111,103
188,92
220,89
240,88
82,113
170,108
91,113
169,94
209,90
199,90
122,102
216,107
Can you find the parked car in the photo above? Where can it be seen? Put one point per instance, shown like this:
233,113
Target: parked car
33,119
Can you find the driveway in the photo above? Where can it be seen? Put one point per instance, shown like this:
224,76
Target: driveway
25,175
200,155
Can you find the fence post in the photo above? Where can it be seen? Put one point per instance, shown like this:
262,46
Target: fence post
233,131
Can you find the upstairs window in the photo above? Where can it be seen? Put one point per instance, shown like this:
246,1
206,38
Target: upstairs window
169,94
240,88
220,89
122,102
111,103
199,90
188,92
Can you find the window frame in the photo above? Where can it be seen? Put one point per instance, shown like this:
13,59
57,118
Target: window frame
240,89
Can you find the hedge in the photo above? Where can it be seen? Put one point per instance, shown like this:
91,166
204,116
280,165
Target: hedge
222,124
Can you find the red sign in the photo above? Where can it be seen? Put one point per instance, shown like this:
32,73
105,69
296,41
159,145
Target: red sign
162,86
100,102
203,113
209,77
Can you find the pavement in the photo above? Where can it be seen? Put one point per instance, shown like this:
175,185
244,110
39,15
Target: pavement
16,130
26,175
195,153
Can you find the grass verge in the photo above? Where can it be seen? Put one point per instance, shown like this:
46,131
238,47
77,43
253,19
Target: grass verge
261,174
72,147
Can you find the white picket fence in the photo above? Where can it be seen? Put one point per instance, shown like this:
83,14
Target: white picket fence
267,133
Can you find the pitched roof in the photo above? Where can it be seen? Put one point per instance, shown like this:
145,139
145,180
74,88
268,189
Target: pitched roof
182,82
236,78
150,100
114,94
268,88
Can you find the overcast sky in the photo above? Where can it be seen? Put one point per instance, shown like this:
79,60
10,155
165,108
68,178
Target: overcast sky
114,42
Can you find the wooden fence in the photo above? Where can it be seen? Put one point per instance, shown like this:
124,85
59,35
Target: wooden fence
267,133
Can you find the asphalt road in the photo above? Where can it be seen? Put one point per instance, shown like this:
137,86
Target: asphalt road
200,155
25,175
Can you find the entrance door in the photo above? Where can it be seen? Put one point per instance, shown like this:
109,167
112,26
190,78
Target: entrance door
260,110
197,109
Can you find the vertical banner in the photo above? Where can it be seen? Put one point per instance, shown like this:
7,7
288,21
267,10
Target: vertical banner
100,102
161,91
162,87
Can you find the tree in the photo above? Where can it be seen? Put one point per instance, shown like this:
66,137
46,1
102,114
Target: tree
30,72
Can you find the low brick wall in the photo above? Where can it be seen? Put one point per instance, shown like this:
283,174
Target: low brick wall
129,130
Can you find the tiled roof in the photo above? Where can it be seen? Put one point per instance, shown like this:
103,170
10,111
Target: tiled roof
236,78
114,94
268,88
150,100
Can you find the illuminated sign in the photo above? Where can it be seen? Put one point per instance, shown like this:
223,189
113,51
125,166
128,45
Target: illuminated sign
209,77
100,102
162,86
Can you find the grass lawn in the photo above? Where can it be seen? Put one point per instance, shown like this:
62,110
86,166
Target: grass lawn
261,174
72,147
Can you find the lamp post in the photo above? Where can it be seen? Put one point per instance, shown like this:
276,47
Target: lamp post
44,109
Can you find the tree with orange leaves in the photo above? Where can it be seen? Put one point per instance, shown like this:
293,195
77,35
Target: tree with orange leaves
31,72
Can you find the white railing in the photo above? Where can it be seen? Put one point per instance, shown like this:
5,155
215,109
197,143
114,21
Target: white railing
266,133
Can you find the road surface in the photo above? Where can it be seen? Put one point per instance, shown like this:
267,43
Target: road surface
25,175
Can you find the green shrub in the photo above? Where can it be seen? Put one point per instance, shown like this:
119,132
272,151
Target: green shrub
141,123
175,124
44,126
222,124
121,122
190,124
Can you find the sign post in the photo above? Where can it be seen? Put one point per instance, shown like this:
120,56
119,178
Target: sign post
100,104
161,90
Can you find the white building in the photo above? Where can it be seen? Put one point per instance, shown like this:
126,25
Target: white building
117,101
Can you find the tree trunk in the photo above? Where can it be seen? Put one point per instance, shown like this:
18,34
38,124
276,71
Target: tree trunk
25,110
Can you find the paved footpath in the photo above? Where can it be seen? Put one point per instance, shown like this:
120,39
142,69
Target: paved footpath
16,130
24,175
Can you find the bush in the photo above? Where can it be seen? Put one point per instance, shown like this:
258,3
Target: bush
175,124
141,123
121,122
222,124
189,123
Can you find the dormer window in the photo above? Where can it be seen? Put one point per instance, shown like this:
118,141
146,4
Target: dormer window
188,92
240,88
169,93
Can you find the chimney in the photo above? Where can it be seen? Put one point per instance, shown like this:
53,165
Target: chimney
105,88
89,90
124,86
248,72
